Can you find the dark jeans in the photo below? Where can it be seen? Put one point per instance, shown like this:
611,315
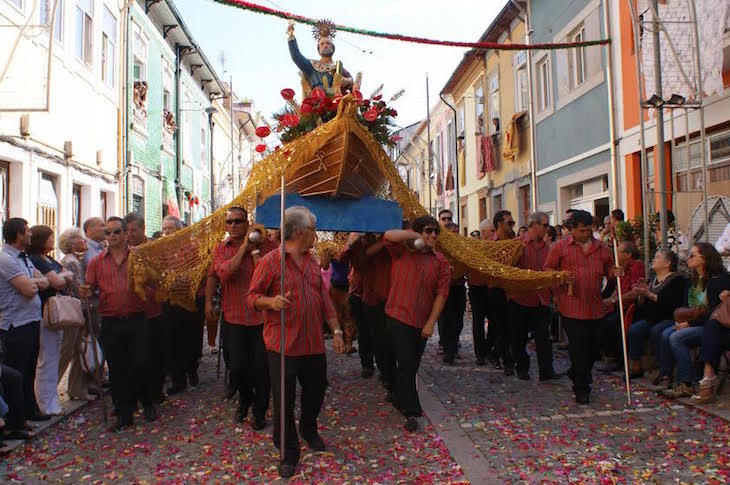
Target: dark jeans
478,300
584,339
655,339
126,344
365,336
538,319
451,321
715,340
382,342
186,343
11,390
21,353
666,358
409,347
681,341
249,367
311,372
158,351
498,328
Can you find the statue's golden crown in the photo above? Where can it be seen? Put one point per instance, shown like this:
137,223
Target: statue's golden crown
324,29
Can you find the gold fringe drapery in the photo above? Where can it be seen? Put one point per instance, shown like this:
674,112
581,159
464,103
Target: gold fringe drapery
178,264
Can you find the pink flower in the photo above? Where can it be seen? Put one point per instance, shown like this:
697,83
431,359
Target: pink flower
395,138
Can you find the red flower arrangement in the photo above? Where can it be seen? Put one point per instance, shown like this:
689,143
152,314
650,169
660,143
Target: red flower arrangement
260,148
263,131
319,108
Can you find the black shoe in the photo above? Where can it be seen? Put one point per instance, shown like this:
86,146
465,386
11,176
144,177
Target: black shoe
40,417
390,396
150,413
176,389
286,470
523,375
315,442
509,371
229,392
18,434
241,413
121,424
495,362
193,379
367,372
411,425
259,423
550,377
448,359
481,361
582,398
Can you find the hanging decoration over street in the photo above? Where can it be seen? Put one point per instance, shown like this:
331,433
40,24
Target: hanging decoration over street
320,24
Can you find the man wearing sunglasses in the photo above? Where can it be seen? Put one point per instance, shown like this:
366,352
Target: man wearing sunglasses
234,261
498,328
445,216
532,309
420,280
124,331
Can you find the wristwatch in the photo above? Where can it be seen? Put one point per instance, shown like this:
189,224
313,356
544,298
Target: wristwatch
337,331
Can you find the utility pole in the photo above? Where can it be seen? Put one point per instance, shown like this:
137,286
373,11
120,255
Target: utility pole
233,118
659,148
428,136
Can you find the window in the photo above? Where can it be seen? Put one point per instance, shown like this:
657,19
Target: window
461,119
522,98
482,208
202,148
46,7
140,55
494,123
138,195
187,131
103,209
47,206
496,204
576,59
4,191
167,84
85,31
463,219
525,204
543,85
479,107
108,43
76,206
450,143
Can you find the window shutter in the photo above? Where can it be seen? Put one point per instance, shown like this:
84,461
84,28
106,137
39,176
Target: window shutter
594,54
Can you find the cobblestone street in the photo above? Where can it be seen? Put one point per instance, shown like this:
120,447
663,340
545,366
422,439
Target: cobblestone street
484,428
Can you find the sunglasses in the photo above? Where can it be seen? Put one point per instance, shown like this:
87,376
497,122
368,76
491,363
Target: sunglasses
432,230
511,223
116,232
447,219
235,221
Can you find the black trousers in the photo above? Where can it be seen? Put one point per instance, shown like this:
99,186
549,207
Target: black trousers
249,367
126,344
538,319
451,321
158,351
584,339
186,342
311,372
715,340
382,342
365,343
498,329
611,336
21,353
409,347
11,390
478,296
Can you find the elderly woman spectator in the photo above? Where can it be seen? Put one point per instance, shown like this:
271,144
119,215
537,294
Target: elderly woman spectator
73,244
708,279
656,302
42,242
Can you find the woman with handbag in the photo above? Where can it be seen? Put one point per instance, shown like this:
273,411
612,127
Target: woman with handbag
708,278
715,340
42,242
73,244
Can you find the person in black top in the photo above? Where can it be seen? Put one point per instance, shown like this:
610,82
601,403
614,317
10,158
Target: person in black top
656,304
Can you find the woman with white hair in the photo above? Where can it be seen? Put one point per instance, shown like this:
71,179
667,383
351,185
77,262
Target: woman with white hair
73,244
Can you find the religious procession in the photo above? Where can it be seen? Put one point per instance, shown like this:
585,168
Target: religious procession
520,286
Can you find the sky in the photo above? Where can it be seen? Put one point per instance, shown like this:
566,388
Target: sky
257,56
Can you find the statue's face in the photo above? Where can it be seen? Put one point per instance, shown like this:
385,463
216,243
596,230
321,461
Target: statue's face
325,47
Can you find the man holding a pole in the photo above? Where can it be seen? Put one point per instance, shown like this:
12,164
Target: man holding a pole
307,304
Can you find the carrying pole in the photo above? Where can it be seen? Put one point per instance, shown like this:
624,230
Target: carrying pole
282,397
621,322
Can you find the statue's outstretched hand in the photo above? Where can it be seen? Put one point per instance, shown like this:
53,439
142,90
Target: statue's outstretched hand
290,29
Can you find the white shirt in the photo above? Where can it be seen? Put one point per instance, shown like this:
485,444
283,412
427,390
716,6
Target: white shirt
723,244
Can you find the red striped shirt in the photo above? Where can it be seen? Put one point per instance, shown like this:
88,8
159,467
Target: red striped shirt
589,268
116,298
355,281
533,257
376,278
416,279
310,305
235,284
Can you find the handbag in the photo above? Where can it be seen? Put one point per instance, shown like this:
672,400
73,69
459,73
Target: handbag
63,311
721,313
685,314
87,358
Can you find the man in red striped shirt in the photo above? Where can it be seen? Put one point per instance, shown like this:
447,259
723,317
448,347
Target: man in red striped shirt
498,329
307,304
124,330
234,261
419,287
582,309
532,308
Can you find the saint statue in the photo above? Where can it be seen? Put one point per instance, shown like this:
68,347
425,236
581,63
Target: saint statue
324,73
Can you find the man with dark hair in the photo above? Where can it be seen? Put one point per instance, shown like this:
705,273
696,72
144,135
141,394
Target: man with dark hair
498,328
617,215
20,309
445,216
95,238
419,288
234,261
567,219
587,261
124,330
451,321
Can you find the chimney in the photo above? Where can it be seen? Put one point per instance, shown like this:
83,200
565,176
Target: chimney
68,149
98,158
25,125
